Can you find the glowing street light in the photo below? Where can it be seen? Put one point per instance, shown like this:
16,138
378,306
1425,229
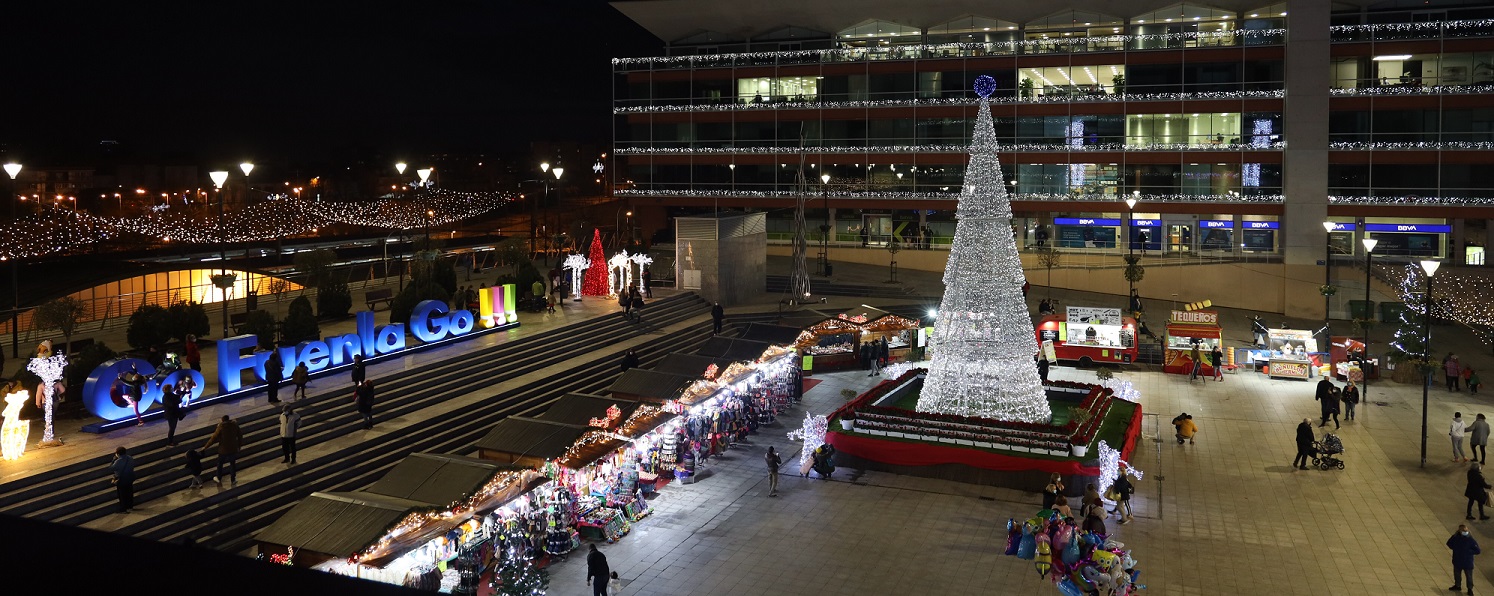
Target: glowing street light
14,169
1430,267
400,168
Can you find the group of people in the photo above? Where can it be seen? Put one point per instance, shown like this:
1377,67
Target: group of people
1215,355
1333,399
873,356
631,302
1092,504
1458,375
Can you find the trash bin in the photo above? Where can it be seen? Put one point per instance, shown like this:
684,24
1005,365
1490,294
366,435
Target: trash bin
829,270
251,301
1390,312
1362,309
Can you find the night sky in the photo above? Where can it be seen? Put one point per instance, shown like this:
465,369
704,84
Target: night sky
308,80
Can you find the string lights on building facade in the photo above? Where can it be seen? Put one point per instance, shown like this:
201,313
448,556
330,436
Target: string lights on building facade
819,104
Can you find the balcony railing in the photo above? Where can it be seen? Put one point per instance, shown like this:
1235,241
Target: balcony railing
1404,31
951,195
824,103
1066,45
962,147
1412,89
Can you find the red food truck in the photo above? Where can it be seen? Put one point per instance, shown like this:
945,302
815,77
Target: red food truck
1088,336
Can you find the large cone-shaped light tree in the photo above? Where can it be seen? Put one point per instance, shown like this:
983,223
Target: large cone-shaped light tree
984,340
596,275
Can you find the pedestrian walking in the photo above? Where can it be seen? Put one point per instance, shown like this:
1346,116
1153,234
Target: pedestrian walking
171,406
1092,502
884,351
1453,370
229,439
194,468
1305,439
635,302
1350,399
274,373
1123,490
360,370
718,315
773,461
123,470
630,360
1455,431
1217,356
1186,428
597,572
132,385
1470,379
364,398
1477,491
1478,436
1327,402
865,236
300,377
874,358
1052,490
1197,356
1042,365
1094,522
615,585
1463,548
648,283
290,421
192,354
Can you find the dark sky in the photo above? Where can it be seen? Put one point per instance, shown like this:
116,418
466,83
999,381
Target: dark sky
307,80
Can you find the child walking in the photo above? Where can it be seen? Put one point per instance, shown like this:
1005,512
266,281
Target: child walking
194,467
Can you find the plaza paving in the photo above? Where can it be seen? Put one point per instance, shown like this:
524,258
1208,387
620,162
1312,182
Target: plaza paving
1227,515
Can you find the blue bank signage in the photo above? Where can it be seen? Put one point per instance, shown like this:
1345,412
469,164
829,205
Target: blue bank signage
1421,228
1260,225
429,322
1086,221
1217,224
1146,223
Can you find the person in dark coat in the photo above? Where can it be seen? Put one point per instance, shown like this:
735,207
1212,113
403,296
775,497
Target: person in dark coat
597,572
1463,547
360,370
194,468
274,372
1042,365
1327,397
1477,490
630,360
123,470
718,315
1304,444
171,403
648,282
364,397
1094,523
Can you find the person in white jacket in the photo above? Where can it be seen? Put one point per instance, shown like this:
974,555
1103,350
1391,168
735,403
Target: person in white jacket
290,421
1456,432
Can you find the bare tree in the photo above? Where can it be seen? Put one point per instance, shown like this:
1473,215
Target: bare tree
1049,258
62,314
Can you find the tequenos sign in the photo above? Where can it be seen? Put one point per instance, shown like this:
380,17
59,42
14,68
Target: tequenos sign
430,322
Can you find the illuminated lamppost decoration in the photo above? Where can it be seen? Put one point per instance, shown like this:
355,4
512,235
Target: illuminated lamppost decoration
49,367
640,260
618,273
14,432
577,264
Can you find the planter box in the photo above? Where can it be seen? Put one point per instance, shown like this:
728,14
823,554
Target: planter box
983,445
1079,450
1020,449
948,440
964,442
874,431
1058,452
895,435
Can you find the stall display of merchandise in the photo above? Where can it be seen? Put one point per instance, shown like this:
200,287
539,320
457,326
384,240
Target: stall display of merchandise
596,521
844,347
1074,561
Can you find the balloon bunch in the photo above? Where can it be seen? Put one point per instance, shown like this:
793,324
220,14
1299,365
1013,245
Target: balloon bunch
1079,563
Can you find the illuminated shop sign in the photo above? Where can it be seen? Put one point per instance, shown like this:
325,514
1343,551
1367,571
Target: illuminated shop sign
1146,223
1085,221
1424,228
1216,224
1260,225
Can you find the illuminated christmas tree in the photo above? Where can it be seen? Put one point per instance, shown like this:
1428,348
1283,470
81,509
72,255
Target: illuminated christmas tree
596,275
982,364
519,577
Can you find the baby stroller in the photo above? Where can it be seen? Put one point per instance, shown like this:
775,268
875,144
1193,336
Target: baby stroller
1325,450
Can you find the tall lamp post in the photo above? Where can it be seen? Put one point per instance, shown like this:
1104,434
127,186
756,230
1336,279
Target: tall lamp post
1369,247
825,227
1328,228
14,169
1130,243
1430,267
425,176
246,167
617,225
219,177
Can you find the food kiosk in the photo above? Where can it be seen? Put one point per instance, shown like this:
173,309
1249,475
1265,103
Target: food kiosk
1350,360
1186,328
1088,335
1291,353
900,332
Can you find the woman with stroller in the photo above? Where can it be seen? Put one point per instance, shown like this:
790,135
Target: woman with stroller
1477,490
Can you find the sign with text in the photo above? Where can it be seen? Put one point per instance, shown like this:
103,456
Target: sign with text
1086,221
1427,228
1195,317
1260,225
1093,316
1216,224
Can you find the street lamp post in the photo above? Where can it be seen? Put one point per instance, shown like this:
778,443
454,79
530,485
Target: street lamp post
1430,267
14,169
246,167
1369,247
1328,228
219,177
425,176
617,226
1130,243
825,227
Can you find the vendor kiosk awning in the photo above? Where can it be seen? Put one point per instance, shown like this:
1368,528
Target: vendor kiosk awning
583,409
446,479
340,525
779,335
691,364
531,442
650,386
734,349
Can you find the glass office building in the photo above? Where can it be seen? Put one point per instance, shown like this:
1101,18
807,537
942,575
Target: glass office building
1239,128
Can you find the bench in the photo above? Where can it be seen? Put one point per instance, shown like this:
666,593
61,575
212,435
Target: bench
374,297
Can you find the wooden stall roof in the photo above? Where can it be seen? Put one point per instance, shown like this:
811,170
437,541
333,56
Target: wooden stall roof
780,335
531,437
581,408
651,385
438,478
644,421
689,364
734,349
343,524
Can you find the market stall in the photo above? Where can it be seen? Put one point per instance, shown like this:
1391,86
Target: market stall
677,363
733,349
650,386
778,335
1088,335
1186,329
413,525
532,442
1350,360
900,332
831,344
1291,354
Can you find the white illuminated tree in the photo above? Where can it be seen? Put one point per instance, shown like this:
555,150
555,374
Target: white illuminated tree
49,367
982,364
578,265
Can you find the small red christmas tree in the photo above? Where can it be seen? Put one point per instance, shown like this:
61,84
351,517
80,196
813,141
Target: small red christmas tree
595,283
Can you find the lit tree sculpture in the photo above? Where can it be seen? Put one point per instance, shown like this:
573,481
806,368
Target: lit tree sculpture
799,276
618,273
597,274
577,264
983,362
640,260
49,367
